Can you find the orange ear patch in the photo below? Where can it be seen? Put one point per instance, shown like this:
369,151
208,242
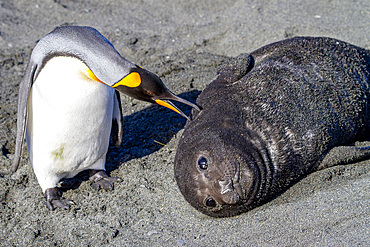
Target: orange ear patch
131,80
92,76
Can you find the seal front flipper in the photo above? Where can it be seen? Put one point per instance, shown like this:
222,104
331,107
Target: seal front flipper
345,155
99,179
235,68
229,72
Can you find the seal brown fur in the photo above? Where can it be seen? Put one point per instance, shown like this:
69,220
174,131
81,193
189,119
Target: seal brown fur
270,118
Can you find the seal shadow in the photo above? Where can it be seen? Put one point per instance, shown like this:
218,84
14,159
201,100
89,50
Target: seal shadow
144,132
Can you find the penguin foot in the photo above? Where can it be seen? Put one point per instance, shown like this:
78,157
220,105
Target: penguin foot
99,179
54,199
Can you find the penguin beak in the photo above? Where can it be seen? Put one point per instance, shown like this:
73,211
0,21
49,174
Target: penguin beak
171,106
166,103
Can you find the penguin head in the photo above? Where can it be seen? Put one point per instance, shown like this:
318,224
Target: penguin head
143,85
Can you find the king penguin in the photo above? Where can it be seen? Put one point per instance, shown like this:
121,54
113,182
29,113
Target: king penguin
68,107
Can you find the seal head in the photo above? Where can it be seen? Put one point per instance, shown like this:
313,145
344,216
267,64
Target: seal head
222,175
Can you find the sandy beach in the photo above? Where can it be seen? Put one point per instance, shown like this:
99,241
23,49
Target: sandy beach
183,42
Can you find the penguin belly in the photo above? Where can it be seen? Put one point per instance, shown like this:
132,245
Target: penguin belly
69,121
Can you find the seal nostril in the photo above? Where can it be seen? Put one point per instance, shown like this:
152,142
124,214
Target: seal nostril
203,163
210,202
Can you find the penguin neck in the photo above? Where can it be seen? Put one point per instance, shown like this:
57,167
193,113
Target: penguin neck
64,76
67,68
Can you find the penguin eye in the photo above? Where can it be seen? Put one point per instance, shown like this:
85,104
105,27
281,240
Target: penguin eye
202,163
210,202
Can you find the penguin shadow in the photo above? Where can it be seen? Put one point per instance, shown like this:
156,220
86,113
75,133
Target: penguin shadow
148,130
144,132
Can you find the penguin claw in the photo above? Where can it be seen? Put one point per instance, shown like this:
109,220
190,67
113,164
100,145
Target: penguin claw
104,183
100,179
55,200
63,203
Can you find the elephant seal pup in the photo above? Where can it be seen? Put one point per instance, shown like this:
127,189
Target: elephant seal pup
270,118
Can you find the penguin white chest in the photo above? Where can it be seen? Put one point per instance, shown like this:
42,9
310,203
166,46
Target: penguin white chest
69,121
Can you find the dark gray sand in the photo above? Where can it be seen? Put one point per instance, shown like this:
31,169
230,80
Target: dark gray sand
183,42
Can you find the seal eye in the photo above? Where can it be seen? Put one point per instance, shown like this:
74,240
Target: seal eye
210,202
203,163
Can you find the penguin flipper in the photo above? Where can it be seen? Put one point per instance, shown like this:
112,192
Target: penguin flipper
24,90
235,68
117,121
